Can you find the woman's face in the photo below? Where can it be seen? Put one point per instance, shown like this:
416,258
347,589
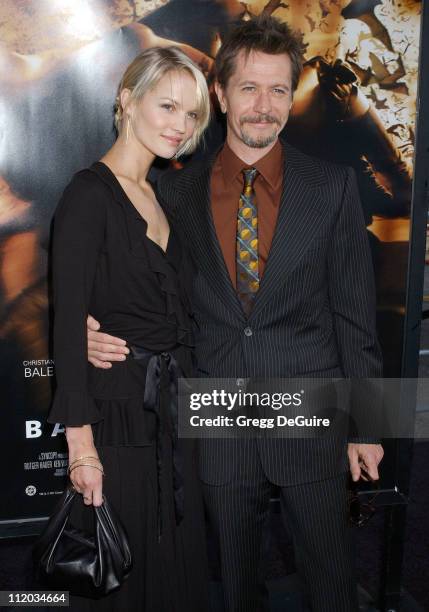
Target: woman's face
166,117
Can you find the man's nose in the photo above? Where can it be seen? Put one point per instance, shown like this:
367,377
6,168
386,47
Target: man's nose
263,102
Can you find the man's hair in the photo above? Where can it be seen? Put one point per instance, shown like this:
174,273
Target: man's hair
265,34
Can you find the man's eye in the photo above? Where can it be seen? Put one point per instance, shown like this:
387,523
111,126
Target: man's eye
248,88
278,90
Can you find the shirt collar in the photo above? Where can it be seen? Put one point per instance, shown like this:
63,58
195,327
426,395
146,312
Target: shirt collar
270,166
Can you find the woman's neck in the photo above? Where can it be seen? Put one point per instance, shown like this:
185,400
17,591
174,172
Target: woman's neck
129,161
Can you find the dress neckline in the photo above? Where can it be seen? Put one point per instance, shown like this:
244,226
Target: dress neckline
138,214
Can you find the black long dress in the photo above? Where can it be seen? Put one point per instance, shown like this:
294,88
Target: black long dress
104,264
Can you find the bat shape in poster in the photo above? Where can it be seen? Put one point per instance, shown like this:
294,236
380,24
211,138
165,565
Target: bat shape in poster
395,129
364,11
378,102
273,5
378,74
387,80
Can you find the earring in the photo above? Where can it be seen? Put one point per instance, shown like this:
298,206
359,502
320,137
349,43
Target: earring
127,134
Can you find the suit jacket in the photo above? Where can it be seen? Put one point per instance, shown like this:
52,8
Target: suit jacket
314,313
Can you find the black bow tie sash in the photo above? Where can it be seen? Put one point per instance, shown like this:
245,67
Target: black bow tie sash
162,366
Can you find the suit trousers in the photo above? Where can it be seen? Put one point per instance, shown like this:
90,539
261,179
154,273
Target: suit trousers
317,515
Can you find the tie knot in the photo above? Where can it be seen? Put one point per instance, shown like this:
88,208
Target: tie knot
250,175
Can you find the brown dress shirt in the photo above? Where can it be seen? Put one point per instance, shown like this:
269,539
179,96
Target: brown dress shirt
226,186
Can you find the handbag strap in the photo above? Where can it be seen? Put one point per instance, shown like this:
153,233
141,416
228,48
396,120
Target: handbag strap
111,526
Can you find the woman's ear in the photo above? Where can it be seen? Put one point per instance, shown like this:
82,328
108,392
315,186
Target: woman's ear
125,98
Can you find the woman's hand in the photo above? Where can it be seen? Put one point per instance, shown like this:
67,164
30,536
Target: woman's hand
86,479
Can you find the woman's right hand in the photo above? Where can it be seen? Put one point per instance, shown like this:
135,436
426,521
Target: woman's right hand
86,479
89,482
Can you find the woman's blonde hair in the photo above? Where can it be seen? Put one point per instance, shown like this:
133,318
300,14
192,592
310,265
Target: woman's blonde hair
144,73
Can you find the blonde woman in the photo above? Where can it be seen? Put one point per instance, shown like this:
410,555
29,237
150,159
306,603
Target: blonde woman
117,255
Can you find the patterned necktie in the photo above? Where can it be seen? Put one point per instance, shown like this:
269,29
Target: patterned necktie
247,242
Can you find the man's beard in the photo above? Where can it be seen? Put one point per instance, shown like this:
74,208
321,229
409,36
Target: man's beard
262,141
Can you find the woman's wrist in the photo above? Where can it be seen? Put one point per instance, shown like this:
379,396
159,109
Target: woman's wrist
80,440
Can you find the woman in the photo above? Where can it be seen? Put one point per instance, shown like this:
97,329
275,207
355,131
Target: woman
116,254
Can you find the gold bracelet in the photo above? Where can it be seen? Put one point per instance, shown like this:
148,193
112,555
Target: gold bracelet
88,465
84,457
80,459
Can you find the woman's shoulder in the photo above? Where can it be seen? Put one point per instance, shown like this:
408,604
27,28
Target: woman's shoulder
86,195
89,180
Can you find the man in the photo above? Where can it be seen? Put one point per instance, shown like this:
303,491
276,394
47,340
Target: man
299,302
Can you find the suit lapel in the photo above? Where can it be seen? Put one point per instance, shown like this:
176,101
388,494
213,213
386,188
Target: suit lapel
199,226
298,223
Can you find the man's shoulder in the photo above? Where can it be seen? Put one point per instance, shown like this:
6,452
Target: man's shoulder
314,169
178,182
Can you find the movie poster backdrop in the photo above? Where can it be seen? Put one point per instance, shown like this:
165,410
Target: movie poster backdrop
60,64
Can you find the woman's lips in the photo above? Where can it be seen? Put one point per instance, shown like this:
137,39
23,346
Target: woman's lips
175,142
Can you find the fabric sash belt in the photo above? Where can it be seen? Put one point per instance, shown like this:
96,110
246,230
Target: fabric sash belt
159,366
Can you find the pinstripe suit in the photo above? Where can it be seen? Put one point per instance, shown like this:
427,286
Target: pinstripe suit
314,315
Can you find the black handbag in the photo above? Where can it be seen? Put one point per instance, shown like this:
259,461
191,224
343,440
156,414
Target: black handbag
70,559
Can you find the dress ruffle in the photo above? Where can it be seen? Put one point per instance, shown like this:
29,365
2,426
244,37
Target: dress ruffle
124,423
119,394
75,408
165,265
177,306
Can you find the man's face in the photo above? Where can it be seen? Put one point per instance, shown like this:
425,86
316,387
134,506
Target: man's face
257,99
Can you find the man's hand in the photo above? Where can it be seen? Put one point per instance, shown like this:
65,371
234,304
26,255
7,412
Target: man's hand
102,348
364,458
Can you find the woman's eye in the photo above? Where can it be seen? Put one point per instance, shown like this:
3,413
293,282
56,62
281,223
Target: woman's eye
168,107
193,116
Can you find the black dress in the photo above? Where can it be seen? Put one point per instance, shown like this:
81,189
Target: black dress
104,264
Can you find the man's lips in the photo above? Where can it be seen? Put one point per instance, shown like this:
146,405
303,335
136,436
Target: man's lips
259,124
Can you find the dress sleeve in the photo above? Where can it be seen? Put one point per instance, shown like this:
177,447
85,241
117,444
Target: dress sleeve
78,236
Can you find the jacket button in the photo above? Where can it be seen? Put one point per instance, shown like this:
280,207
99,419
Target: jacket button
248,331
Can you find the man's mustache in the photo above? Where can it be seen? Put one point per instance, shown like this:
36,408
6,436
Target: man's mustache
259,119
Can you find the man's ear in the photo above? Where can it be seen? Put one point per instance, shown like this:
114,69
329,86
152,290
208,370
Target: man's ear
220,96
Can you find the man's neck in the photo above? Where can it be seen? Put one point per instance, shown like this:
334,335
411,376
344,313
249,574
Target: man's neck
249,155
